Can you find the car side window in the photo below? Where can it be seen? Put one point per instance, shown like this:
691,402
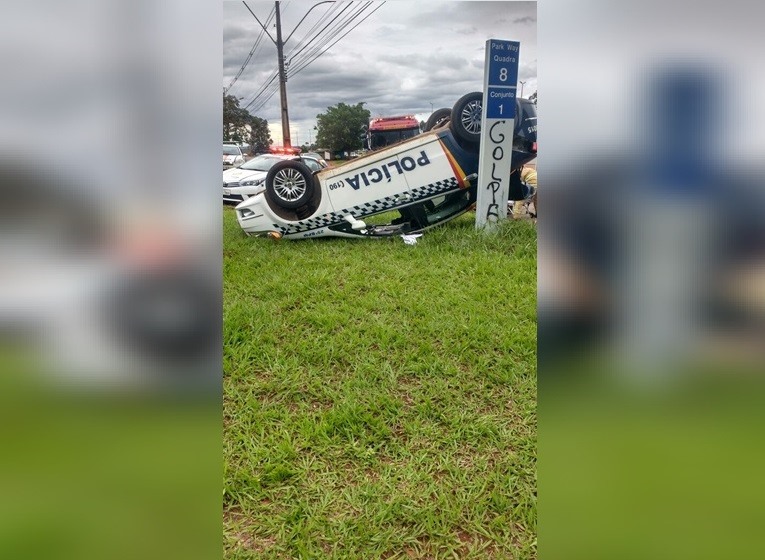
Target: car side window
312,164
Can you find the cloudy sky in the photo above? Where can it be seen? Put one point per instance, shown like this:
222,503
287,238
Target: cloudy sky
399,60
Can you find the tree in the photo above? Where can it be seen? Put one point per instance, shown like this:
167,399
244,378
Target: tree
240,126
341,128
533,97
260,136
235,120
422,126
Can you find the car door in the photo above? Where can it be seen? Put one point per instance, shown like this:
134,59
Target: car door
384,179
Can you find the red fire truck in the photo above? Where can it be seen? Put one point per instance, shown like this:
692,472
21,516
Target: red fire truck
384,131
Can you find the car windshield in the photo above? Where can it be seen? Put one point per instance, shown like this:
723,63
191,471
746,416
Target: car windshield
261,163
231,151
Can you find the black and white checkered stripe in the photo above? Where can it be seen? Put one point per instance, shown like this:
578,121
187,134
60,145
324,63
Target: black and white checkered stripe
428,191
368,208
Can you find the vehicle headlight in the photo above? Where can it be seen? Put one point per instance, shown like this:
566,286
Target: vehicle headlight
252,183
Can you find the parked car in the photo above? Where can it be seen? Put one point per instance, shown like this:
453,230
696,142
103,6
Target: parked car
427,180
232,156
249,178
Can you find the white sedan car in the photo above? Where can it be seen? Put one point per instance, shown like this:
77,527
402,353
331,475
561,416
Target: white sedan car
250,178
232,156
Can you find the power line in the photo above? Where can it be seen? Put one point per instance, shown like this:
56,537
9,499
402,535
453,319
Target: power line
310,48
318,23
250,55
330,33
322,31
262,90
259,22
298,70
266,100
266,93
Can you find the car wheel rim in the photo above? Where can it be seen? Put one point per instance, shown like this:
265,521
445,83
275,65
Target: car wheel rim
289,185
471,117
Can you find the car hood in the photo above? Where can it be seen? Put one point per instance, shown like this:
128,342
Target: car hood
238,175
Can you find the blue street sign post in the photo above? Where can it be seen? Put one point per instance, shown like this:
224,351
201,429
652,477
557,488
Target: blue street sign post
497,124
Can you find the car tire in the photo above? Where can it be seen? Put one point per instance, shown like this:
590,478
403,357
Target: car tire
438,118
466,117
290,184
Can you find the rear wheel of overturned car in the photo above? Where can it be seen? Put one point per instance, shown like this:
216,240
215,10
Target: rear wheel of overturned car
290,184
466,117
438,118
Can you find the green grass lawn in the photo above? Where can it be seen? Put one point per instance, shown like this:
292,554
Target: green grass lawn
380,398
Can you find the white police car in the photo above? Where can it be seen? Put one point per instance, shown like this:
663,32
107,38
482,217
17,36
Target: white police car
426,180
249,179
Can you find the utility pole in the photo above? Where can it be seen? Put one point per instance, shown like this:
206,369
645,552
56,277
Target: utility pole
282,81
282,73
520,82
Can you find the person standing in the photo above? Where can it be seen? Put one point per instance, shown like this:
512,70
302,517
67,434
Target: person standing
529,179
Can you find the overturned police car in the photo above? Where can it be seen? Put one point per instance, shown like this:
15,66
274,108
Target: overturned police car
421,182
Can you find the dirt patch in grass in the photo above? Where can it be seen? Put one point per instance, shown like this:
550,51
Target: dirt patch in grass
241,532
